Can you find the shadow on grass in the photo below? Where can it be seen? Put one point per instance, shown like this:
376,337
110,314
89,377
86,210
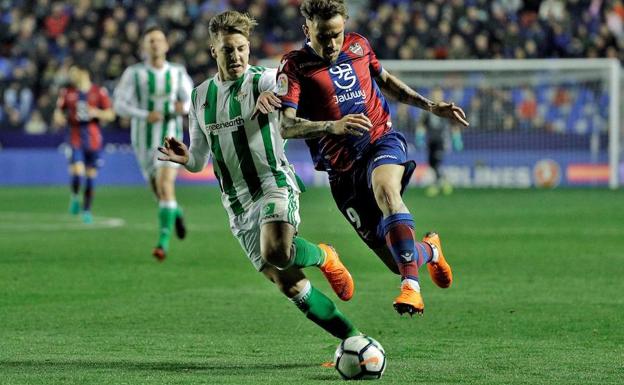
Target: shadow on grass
166,366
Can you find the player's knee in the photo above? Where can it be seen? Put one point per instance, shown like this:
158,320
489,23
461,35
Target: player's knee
291,288
388,198
91,172
276,254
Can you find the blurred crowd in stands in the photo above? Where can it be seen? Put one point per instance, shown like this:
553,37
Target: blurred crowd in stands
40,39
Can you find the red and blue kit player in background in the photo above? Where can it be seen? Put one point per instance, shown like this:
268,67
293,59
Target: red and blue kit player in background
331,93
82,106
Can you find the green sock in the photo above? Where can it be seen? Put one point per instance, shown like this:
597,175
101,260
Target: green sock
166,217
306,253
323,312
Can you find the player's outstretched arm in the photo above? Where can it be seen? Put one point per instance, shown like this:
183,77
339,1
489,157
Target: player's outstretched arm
394,87
293,127
174,150
267,103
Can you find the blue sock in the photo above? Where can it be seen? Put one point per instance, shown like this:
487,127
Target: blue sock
409,255
75,184
88,194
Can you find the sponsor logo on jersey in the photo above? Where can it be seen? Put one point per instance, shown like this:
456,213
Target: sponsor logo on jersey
384,156
228,126
356,48
349,96
281,88
345,77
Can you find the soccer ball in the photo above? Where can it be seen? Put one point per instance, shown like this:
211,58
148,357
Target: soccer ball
360,358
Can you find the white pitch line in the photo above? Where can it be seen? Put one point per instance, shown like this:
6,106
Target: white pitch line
28,221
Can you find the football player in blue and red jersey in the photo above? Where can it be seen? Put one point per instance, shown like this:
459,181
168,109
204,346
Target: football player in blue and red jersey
331,93
82,106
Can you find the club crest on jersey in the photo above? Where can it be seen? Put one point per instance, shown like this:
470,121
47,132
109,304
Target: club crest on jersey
240,96
281,88
356,48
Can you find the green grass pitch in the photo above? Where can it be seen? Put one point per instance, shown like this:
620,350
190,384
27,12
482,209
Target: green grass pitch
538,296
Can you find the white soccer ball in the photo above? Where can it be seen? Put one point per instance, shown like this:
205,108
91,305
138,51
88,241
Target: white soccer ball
360,358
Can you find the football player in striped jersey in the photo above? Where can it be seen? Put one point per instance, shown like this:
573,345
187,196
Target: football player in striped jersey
234,119
155,94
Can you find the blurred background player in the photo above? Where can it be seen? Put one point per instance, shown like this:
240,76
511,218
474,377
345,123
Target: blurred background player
83,105
330,91
436,134
258,185
155,94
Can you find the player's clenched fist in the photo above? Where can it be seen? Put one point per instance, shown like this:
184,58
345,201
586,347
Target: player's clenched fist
174,150
353,124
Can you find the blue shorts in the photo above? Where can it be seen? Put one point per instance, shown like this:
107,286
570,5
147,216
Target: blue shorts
353,192
91,159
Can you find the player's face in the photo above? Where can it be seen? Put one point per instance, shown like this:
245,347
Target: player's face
155,44
326,36
76,75
232,54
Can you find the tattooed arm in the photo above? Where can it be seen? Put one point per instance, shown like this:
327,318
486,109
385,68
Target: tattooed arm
293,127
394,87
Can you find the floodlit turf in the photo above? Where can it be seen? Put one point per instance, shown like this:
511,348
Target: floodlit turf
537,298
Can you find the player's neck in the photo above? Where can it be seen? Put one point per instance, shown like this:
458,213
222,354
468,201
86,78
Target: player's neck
84,86
224,77
158,62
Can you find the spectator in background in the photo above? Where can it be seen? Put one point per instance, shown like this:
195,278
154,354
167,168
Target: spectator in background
36,125
50,35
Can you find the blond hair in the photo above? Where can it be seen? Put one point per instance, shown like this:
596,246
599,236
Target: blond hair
231,22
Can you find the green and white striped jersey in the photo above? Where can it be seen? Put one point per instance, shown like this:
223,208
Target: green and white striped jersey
248,155
143,89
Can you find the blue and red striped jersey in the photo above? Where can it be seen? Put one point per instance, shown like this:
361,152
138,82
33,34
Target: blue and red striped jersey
84,131
328,91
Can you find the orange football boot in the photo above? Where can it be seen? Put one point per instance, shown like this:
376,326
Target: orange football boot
159,253
439,270
336,273
409,301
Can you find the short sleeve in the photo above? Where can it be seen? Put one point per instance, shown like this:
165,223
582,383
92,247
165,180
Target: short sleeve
373,63
288,86
267,80
60,102
105,100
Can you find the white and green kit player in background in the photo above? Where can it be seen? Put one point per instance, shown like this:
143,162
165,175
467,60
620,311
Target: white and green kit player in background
233,118
155,95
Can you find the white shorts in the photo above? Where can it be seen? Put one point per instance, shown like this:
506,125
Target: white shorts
277,205
149,163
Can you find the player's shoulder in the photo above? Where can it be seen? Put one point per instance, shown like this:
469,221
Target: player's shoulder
135,68
98,89
298,61
295,57
258,69
177,66
357,43
201,89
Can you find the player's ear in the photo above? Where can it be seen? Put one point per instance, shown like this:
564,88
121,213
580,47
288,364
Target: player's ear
306,31
213,52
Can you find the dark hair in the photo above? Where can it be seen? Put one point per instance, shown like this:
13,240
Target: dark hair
231,22
151,28
81,64
323,9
